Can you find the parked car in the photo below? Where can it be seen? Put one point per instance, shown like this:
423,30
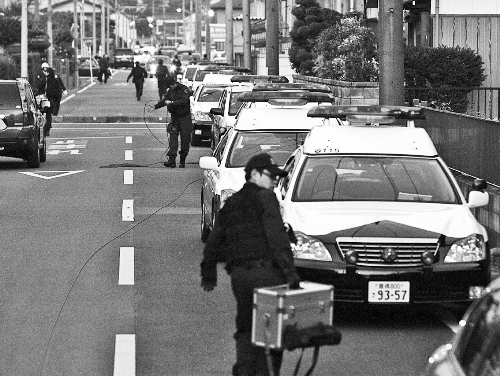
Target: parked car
378,214
124,57
475,346
21,123
278,130
84,66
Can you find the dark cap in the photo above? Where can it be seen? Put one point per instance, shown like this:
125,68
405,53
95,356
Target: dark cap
160,61
264,161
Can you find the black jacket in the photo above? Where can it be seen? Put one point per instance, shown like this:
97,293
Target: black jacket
138,73
181,105
249,227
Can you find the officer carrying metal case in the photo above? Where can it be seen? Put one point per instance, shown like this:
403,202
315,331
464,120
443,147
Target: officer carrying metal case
278,307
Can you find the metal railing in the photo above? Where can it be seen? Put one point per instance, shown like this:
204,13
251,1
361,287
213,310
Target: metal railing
481,102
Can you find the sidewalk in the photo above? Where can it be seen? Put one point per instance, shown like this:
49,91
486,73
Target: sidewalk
110,103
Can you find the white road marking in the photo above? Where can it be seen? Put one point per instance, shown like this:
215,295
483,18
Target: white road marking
128,211
68,98
129,155
86,87
128,139
126,270
124,355
61,174
128,177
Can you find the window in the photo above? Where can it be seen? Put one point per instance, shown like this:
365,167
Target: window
290,168
366,178
9,96
278,144
210,94
219,150
235,105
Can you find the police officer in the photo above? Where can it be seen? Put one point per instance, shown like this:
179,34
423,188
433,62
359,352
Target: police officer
250,236
179,106
161,74
138,75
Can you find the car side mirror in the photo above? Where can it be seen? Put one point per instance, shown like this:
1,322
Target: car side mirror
477,196
208,163
216,111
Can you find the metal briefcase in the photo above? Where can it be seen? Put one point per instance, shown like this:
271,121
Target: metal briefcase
276,307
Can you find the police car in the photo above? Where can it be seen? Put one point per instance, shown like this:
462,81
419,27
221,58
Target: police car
378,214
278,130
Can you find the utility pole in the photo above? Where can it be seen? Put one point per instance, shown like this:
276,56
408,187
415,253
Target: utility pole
272,36
229,32
108,11
24,38
75,35
198,26
50,50
103,27
94,27
391,50
82,26
247,38
208,47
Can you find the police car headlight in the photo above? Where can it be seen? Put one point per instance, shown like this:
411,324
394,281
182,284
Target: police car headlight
309,248
201,116
471,248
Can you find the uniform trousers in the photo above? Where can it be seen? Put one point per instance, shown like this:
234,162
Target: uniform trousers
183,127
251,360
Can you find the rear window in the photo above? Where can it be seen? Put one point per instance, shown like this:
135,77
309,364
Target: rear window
9,96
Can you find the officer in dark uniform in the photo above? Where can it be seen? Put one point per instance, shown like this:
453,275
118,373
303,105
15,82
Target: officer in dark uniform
179,106
138,75
161,74
249,235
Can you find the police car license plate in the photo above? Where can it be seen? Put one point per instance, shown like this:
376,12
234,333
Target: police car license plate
388,292
197,131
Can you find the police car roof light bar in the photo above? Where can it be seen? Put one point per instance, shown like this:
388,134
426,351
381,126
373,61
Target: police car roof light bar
319,88
342,112
258,78
265,96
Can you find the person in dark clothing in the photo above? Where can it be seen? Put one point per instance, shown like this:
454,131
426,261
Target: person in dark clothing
179,106
161,74
250,236
138,75
50,87
103,69
62,87
177,64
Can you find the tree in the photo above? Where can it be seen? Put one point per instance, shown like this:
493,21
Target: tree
311,20
142,27
347,51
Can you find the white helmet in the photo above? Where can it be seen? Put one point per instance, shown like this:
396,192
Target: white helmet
45,65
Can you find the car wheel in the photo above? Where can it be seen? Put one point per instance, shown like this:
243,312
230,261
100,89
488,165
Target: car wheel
205,231
43,151
33,158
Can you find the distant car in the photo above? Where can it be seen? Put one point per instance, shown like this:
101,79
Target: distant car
124,57
203,99
22,123
475,346
84,67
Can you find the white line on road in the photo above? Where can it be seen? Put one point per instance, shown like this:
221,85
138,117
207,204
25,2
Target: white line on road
128,211
67,98
86,87
124,355
128,139
126,270
129,155
128,177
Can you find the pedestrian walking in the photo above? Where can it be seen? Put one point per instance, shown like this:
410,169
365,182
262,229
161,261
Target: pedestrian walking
103,69
161,74
178,104
177,64
249,235
50,87
138,75
62,91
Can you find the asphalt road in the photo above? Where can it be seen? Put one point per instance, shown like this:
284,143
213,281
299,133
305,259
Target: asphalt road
100,256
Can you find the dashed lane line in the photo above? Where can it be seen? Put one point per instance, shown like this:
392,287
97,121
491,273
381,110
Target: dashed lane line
128,177
126,269
124,355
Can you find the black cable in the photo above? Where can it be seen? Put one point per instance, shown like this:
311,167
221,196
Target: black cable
91,256
147,126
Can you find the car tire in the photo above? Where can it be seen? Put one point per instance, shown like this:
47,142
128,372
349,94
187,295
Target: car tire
205,231
33,159
43,151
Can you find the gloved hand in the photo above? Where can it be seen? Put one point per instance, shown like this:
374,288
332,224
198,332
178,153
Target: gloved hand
208,285
293,281
65,92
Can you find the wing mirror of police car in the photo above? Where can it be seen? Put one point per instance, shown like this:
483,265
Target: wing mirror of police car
208,163
216,111
477,196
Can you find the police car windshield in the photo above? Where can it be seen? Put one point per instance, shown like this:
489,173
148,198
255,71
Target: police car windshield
9,96
278,144
374,178
210,94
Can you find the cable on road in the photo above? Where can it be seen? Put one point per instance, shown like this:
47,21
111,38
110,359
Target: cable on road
147,126
91,256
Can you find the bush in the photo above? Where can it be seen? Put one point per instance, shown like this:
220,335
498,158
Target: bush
8,68
34,63
440,68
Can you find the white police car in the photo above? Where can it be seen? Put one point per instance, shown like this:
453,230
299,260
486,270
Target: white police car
378,214
278,130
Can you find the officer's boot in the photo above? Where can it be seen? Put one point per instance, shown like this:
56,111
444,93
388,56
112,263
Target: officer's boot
170,162
182,162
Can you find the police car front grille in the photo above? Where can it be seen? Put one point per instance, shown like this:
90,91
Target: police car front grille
370,250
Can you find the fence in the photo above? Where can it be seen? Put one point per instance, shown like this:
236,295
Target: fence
482,102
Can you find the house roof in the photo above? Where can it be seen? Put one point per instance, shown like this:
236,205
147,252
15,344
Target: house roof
237,4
